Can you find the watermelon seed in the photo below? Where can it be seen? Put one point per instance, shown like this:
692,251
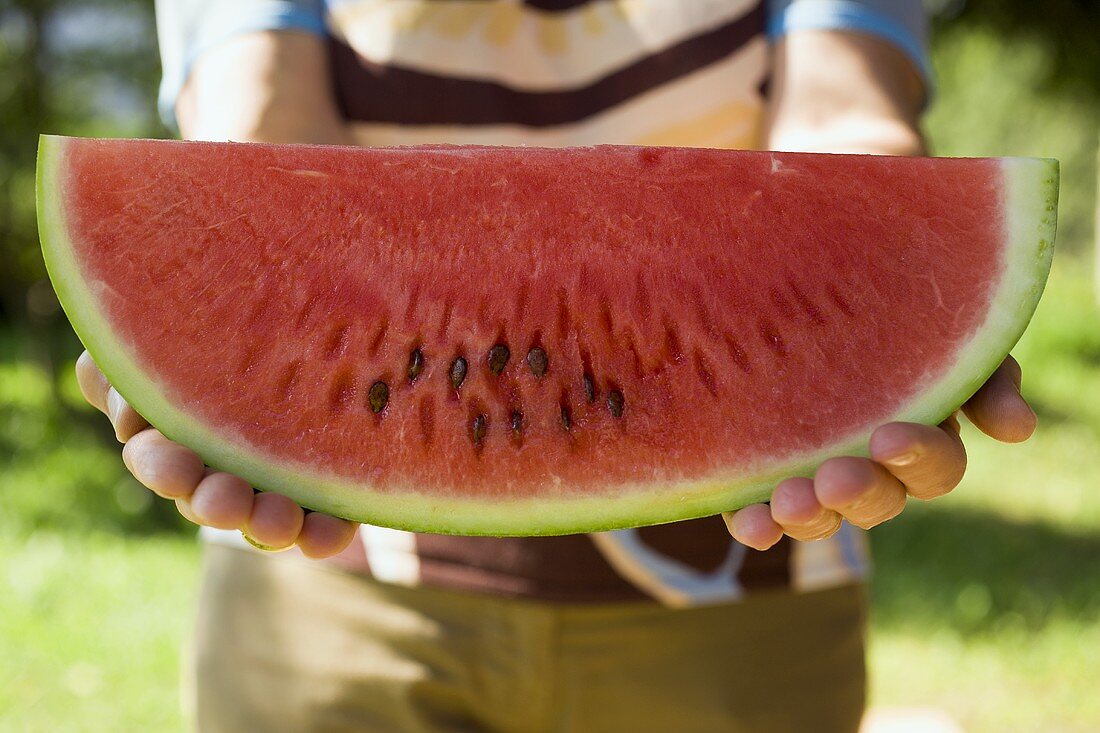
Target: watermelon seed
498,357
615,403
566,418
378,396
416,364
478,428
517,422
589,388
536,359
458,372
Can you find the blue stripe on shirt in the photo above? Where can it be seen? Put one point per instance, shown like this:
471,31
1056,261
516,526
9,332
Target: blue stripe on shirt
900,22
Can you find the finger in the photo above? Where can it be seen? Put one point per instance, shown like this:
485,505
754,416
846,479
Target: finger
275,521
796,509
169,469
998,410
183,506
929,461
1012,368
952,423
93,384
126,420
222,500
861,491
753,526
323,535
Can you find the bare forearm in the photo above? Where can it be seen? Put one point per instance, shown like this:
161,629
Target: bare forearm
262,87
842,92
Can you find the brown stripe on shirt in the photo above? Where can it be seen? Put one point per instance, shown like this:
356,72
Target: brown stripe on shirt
373,92
770,569
701,544
551,6
565,569
555,6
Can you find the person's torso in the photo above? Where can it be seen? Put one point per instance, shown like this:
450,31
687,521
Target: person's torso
557,73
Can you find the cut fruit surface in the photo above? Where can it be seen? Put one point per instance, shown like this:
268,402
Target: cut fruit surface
534,341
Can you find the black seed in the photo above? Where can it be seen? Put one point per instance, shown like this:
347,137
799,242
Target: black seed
478,428
458,372
566,418
589,388
517,422
536,359
378,396
615,403
416,364
498,357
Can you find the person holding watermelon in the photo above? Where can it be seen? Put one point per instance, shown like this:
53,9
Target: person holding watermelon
677,627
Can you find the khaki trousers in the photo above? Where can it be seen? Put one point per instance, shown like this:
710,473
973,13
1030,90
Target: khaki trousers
285,644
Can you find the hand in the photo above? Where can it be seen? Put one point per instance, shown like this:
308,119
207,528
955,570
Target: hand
906,460
202,495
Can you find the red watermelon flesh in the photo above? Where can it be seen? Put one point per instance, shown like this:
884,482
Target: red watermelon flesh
648,334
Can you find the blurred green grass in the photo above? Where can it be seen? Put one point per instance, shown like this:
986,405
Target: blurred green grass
984,603
90,630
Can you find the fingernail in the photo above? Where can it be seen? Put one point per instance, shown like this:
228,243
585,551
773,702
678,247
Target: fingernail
138,464
727,517
183,506
259,546
905,459
114,405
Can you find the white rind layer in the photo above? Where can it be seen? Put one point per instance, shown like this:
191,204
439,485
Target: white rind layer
1030,203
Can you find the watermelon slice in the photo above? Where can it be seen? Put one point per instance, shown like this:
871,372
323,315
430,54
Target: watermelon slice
535,341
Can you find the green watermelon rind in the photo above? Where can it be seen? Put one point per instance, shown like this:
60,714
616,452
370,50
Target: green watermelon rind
1030,203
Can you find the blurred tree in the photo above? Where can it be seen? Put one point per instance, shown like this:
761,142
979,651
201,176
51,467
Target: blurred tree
1023,78
1069,31
70,67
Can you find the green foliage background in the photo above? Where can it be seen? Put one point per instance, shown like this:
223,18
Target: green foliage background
984,603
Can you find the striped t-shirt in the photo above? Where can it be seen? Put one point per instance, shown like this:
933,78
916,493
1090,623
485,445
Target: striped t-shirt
559,72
